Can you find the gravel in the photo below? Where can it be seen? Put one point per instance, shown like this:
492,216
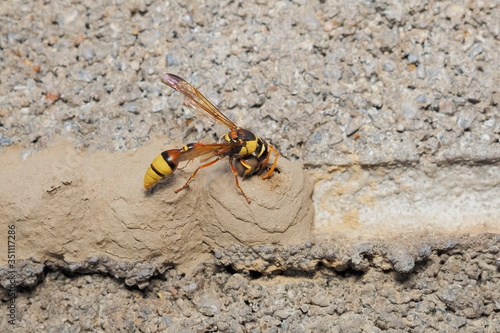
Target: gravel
454,287
448,284
404,76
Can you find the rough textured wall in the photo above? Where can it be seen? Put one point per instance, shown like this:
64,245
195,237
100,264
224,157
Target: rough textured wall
392,107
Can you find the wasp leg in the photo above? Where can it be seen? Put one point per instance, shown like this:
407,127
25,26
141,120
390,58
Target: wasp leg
248,168
271,149
196,171
236,178
185,165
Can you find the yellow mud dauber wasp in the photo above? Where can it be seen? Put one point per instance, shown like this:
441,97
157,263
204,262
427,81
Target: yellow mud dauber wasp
247,153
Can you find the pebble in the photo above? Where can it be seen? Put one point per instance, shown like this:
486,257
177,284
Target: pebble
388,67
88,54
475,50
412,58
131,107
283,314
236,282
83,75
466,120
447,107
410,109
421,99
455,11
421,74
172,60
320,299
208,305
5,141
353,126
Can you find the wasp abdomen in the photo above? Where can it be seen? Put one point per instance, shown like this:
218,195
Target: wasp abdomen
162,166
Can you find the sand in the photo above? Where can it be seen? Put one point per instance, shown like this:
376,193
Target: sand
80,205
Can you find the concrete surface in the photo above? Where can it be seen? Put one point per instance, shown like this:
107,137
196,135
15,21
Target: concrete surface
390,107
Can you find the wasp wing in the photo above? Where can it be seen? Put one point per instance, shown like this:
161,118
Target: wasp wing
194,150
195,100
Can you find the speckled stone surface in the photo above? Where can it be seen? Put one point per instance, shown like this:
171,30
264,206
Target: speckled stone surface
332,84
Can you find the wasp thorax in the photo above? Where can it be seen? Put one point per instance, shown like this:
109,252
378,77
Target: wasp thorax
241,135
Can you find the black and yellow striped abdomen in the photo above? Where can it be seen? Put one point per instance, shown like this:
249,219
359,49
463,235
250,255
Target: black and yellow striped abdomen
162,166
